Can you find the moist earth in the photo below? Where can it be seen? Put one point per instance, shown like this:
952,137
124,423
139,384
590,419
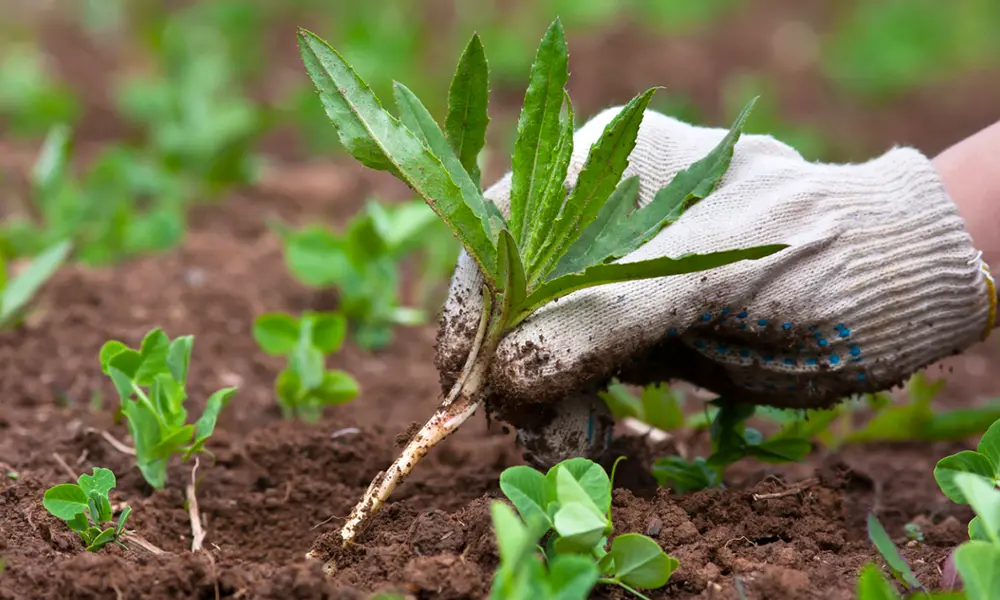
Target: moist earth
272,487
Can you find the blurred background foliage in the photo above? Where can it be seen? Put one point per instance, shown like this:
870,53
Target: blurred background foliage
175,102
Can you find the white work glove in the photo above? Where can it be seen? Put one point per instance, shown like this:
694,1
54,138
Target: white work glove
880,279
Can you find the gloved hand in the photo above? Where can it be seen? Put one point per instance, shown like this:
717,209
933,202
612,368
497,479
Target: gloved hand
880,279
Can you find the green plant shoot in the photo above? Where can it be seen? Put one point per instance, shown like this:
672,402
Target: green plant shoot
732,441
17,292
552,242
150,382
570,506
86,509
363,264
306,386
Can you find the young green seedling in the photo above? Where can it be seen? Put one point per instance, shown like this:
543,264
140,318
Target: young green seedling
86,509
983,462
16,293
551,242
363,264
732,441
150,383
573,501
305,386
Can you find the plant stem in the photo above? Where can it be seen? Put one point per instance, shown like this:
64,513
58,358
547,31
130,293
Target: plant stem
460,403
610,581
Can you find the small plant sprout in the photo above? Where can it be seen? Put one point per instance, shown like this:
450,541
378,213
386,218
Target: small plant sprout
972,478
363,264
150,383
732,441
551,242
86,509
306,386
16,293
570,507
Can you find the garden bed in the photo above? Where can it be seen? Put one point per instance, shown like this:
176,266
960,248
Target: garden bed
275,486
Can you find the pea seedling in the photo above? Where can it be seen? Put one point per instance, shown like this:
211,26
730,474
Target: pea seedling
362,263
86,509
305,386
150,383
551,242
732,441
573,502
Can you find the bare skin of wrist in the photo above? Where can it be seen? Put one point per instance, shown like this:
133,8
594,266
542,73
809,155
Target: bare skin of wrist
971,173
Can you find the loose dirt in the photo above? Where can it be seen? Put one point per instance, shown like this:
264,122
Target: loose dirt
273,487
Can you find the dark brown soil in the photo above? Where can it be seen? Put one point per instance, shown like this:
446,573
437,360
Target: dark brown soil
274,487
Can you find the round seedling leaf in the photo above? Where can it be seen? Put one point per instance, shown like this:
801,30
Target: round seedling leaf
965,461
640,562
101,481
65,501
276,333
979,565
328,331
572,577
590,477
529,490
982,495
579,526
337,387
989,446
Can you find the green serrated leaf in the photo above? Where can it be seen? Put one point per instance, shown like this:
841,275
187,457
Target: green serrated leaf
966,461
468,101
888,550
554,191
607,160
20,290
379,141
418,120
511,272
620,236
613,216
538,131
640,562
646,269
